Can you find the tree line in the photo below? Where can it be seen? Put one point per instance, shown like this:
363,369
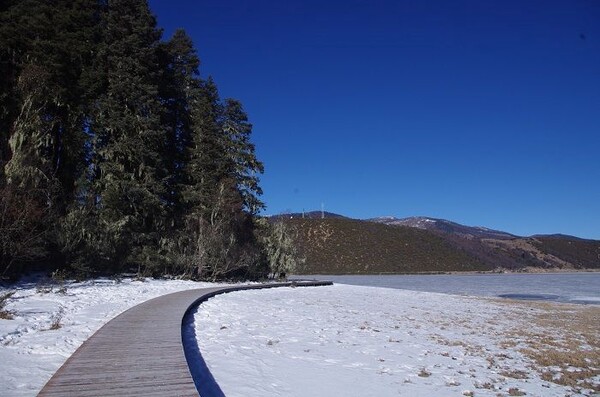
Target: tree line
116,155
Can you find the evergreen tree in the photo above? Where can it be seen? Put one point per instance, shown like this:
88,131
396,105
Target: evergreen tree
127,190
219,236
205,192
179,83
45,47
9,53
112,134
237,130
27,119
76,24
214,235
207,163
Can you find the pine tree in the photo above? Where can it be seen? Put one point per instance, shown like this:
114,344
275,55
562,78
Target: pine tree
208,162
47,47
219,237
44,50
27,117
205,192
9,48
114,136
76,25
127,190
179,83
237,130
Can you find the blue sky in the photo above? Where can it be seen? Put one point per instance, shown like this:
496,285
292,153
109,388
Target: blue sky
481,112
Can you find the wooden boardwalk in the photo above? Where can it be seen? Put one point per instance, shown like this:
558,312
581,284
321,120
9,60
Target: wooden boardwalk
139,352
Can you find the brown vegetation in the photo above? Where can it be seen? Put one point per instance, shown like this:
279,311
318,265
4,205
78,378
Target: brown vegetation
5,314
22,229
347,246
338,245
579,253
563,341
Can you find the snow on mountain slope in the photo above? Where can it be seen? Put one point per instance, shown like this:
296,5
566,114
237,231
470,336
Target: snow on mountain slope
445,226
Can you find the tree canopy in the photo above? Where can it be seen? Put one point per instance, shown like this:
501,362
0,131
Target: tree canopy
116,155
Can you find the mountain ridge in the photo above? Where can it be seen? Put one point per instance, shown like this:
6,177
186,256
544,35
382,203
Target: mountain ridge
411,220
424,244
428,223
307,215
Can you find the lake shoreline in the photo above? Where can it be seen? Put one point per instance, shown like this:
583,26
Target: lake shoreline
565,287
528,270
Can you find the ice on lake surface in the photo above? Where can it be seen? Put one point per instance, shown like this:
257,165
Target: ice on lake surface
582,287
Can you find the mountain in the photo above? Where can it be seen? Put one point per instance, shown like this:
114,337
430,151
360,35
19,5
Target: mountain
579,253
504,250
350,246
342,245
445,226
307,215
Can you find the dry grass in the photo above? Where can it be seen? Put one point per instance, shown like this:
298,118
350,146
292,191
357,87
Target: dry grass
560,341
485,385
513,391
563,342
515,374
56,321
55,325
469,348
5,314
424,373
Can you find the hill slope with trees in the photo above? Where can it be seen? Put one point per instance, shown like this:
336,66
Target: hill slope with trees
338,245
348,246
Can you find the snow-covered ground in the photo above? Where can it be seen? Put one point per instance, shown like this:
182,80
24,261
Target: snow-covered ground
51,321
340,340
365,341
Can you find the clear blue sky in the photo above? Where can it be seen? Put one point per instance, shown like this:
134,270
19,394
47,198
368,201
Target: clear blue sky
481,112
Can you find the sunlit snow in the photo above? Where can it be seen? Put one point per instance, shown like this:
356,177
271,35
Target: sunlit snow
364,341
31,350
322,341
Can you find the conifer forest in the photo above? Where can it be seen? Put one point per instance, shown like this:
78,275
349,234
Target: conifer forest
116,156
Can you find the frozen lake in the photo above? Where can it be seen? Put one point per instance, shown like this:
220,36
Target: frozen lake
582,288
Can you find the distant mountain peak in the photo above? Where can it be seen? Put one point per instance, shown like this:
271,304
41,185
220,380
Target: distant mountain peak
307,215
388,217
444,226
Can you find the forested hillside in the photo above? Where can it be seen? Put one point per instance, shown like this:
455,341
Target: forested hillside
339,245
115,154
349,246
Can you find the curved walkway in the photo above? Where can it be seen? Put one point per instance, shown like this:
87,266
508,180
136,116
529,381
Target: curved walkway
139,352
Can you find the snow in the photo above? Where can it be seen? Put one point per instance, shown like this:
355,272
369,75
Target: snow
31,351
354,340
339,340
